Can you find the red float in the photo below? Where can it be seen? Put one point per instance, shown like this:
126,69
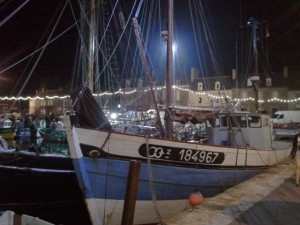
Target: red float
196,198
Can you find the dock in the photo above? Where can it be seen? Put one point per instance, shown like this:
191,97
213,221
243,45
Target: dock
266,199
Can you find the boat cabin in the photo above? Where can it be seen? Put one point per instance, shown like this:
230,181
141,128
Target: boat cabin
241,129
5,123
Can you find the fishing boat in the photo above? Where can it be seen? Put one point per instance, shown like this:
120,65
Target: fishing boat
23,133
40,183
239,146
7,129
35,180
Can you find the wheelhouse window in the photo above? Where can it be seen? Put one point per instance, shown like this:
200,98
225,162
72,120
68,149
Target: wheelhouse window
223,121
217,122
238,121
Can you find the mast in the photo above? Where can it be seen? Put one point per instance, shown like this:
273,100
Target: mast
169,79
91,43
147,69
253,23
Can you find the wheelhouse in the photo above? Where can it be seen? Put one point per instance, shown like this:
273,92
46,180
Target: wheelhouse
242,129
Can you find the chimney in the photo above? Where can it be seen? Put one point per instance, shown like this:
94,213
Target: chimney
194,74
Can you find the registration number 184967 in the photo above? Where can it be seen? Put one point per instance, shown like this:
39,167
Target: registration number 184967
180,154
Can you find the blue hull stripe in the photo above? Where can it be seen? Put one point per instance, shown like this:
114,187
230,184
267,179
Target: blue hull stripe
107,179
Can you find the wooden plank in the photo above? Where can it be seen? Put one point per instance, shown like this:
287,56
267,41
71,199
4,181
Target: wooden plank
131,192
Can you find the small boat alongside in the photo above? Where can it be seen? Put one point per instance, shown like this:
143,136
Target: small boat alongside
11,218
40,183
23,133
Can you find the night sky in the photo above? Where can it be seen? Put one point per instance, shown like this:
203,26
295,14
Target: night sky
20,36
26,32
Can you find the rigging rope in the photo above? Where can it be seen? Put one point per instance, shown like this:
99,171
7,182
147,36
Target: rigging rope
13,13
41,53
117,44
150,174
138,9
49,41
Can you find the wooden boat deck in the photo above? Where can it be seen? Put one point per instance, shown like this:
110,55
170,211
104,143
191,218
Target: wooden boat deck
269,198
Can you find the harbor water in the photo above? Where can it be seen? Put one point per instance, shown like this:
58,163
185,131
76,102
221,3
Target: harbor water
27,192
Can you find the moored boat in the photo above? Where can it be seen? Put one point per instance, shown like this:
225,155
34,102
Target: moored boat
40,184
23,133
239,146
9,217
7,129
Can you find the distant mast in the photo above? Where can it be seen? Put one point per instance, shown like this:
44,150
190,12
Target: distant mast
91,43
169,79
253,23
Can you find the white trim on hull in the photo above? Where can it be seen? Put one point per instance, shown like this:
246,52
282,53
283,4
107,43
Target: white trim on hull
128,145
40,170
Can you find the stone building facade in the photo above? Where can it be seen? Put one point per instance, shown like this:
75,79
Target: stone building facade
275,92
48,102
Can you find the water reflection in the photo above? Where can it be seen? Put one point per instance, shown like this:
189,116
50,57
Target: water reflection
40,145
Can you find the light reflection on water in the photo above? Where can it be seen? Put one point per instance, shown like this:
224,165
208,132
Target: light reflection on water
39,145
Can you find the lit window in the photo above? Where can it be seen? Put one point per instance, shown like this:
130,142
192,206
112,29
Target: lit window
217,85
200,86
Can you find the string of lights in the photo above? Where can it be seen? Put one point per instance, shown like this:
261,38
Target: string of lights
120,92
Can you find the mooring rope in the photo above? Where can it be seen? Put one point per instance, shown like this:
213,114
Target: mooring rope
106,177
150,174
106,140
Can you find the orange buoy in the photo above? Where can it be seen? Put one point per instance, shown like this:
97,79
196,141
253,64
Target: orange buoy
195,198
